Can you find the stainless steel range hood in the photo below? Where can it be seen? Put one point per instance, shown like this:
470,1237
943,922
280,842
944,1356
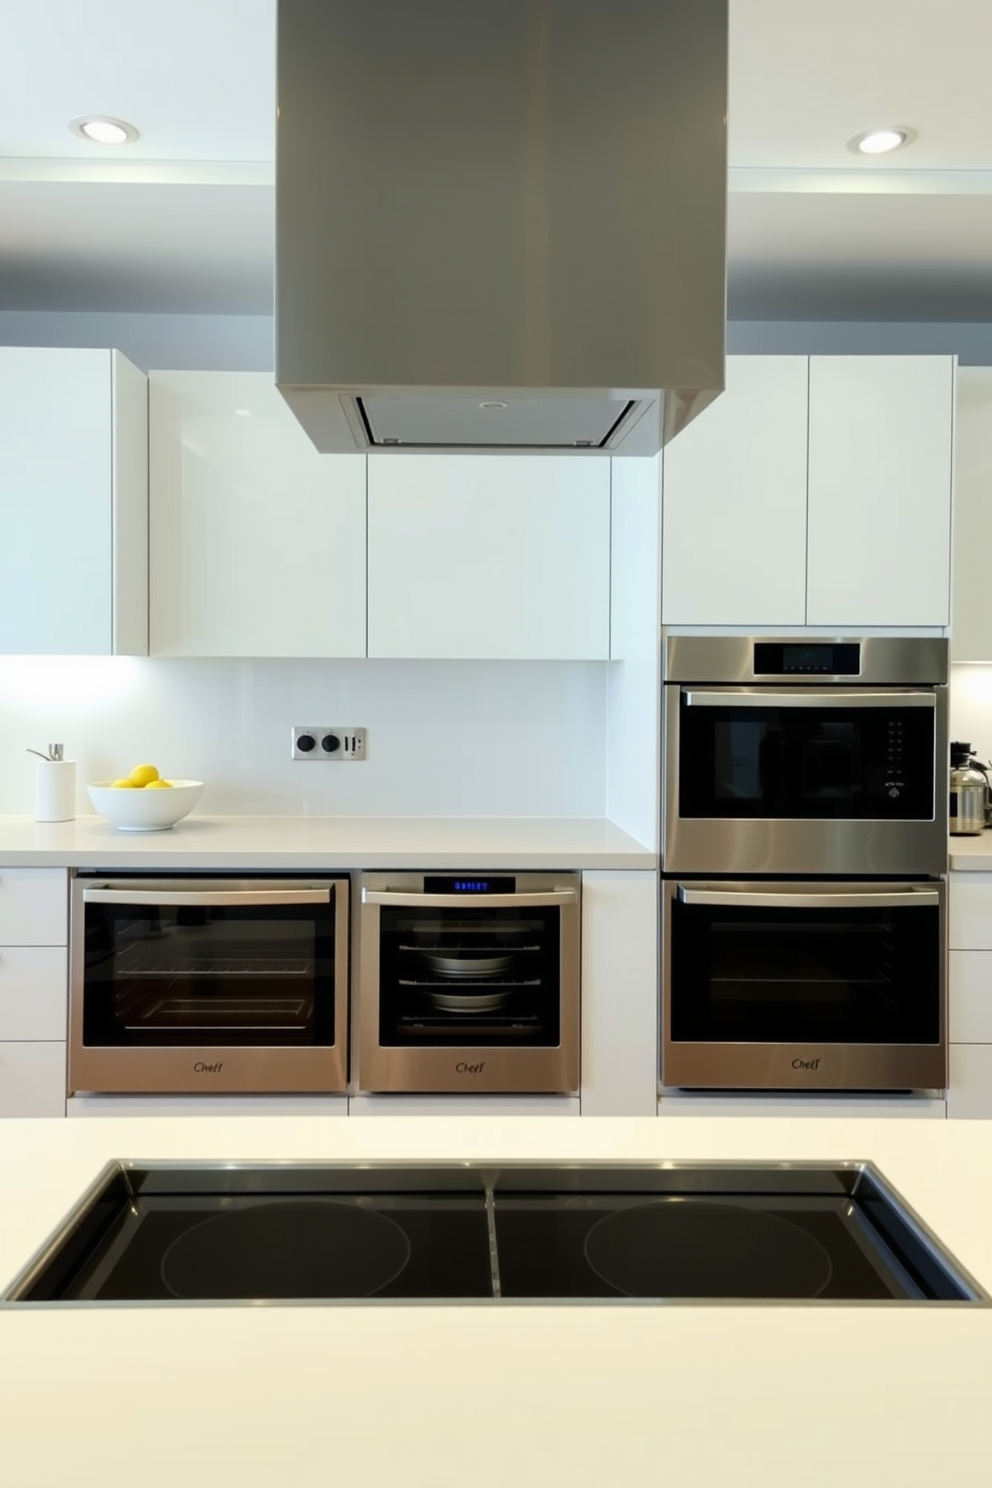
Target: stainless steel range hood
500,224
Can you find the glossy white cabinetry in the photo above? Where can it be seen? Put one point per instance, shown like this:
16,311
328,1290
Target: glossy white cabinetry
33,991
971,607
734,505
464,1105
214,1105
881,438
73,503
32,1079
620,1037
34,906
490,557
969,980
257,542
826,507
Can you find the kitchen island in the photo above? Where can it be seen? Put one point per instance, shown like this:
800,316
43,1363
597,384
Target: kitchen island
686,1395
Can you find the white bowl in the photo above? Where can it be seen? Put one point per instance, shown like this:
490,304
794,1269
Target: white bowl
143,810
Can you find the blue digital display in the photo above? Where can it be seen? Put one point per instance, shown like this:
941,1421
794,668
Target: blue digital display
437,883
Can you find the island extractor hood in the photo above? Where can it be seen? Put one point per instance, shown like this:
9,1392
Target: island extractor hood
500,224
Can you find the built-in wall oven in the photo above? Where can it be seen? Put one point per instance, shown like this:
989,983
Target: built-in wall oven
804,835
797,756
208,984
468,982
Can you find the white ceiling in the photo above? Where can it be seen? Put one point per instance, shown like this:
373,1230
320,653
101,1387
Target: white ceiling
183,220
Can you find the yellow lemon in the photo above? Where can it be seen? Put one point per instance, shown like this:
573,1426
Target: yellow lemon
143,774
159,785
122,785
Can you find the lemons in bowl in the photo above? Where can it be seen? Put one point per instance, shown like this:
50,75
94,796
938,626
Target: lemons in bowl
142,801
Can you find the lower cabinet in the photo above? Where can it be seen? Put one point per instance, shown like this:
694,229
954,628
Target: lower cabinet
32,1079
970,1089
969,1001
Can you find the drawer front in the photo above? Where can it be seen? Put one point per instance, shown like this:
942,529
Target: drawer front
969,911
969,1015
32,1079
34,906
33,994
970,1090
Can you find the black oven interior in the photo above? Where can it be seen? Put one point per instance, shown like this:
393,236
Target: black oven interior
450,976
163,975
750,974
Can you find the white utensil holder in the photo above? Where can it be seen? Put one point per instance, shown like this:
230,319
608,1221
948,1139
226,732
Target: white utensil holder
55,790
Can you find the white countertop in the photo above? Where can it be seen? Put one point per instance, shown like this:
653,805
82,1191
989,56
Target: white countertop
972,854
687,1396
326,842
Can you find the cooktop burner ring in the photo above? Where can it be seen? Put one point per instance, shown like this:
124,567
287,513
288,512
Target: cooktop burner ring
677,1247
306,1248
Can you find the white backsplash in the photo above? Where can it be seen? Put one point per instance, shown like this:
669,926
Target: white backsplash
444,738
971,707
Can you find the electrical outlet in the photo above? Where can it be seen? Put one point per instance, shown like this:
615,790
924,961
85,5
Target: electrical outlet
328,741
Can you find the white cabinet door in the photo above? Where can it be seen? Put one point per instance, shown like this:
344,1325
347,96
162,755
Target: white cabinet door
880,458
34,907
257,541
33,993
73,503
32,1079
475,556
734,502
971,592
969,1092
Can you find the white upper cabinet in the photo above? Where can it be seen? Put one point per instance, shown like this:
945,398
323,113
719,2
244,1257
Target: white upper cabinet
257,541
881,433
489,557
73,503
734,503
971,611
814,491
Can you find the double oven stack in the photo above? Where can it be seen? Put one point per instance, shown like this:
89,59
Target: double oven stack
804,839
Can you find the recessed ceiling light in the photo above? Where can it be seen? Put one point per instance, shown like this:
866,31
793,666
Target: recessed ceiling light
881,141
100,129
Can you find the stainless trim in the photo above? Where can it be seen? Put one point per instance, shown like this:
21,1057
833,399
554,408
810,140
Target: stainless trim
826,1066
234,894
464,901
259,1069
802,697
751,896
483,1069
890,660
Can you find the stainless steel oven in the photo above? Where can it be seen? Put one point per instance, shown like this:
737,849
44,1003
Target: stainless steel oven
827,984
208,984
797,755
468,982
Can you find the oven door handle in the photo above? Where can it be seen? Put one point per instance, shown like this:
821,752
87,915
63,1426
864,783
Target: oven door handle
98,894
805,697
462,901
857,899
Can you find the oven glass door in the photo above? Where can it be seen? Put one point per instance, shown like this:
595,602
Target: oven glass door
224,964
475,976
805,965
806,754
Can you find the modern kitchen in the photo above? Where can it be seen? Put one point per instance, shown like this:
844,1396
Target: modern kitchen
496,967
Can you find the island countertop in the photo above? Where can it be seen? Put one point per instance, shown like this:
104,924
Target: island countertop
326,842
688,1395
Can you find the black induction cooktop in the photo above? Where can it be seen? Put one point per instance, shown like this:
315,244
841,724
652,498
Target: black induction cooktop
208,1233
